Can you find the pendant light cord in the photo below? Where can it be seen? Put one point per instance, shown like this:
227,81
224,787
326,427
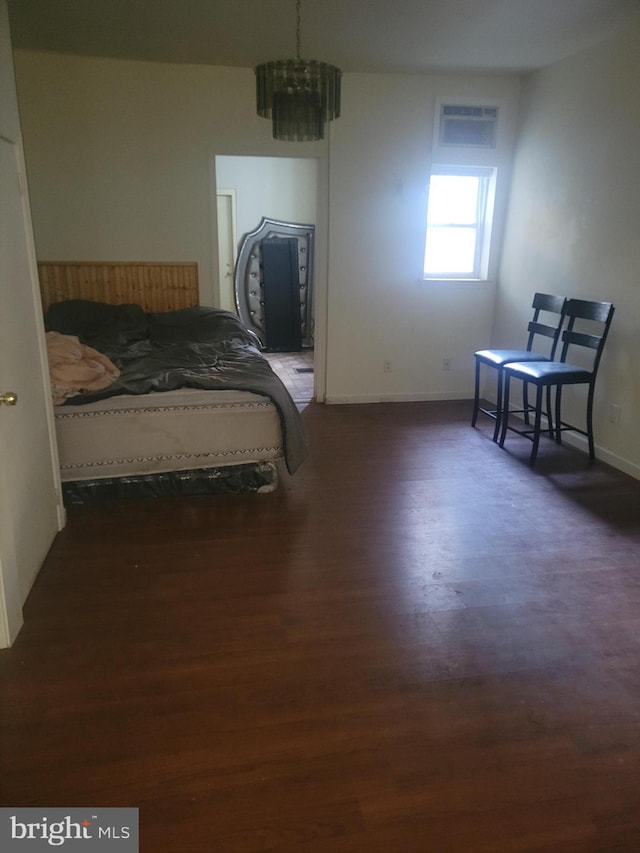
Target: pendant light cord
298,29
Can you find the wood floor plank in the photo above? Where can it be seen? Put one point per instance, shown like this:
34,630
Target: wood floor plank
417,643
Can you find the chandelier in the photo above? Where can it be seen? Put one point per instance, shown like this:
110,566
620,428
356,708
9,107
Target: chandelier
298,95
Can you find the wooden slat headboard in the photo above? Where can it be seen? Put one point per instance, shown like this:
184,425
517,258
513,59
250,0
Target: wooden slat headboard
154,286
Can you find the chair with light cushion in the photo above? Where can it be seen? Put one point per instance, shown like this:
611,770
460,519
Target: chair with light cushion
596,318
497,358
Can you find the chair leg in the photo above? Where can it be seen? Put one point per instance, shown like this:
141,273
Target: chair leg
476,396
525,402
536,425
499,405
592,450
504,420
558,424
549,416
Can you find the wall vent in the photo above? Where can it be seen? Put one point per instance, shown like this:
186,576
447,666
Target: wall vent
468,127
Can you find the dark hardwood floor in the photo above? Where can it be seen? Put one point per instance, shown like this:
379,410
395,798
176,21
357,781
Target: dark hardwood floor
417,644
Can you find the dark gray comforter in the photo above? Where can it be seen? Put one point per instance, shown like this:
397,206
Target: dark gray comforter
190,348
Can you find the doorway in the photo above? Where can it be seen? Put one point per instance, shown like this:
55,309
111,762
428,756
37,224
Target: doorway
281,188
295,369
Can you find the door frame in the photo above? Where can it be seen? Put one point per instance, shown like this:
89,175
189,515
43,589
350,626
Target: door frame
321,254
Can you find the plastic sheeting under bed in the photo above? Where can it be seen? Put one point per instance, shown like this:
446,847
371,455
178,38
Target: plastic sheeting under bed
231,479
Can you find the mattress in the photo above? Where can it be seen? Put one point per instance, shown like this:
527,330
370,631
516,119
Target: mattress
166,431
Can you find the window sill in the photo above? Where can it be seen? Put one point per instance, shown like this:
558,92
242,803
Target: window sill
455,280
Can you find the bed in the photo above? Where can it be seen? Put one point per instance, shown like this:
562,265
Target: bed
195,408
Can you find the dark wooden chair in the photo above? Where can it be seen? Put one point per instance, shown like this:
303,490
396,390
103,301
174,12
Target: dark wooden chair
497,358
556,374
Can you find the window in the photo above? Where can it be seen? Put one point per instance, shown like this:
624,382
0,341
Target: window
459,215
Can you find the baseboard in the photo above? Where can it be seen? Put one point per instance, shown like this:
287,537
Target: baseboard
579,442
432,397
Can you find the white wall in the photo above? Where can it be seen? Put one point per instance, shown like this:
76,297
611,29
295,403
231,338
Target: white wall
121,156
280,188
283,188
574,220
380,309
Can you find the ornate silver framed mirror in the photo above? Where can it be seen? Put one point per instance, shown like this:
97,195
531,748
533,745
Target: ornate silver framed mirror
250,278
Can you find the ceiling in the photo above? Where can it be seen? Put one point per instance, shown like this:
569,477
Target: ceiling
413,36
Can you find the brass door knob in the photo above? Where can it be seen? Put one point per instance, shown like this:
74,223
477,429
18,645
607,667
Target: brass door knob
8,398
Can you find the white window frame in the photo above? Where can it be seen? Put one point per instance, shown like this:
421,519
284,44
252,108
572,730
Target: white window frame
483,226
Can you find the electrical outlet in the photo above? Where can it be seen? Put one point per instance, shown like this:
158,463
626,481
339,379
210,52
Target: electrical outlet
614,413
446,363
386,366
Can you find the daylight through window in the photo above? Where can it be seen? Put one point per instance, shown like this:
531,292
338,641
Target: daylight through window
459,216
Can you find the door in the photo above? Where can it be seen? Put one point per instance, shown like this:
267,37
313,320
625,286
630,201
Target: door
30,513
226,200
